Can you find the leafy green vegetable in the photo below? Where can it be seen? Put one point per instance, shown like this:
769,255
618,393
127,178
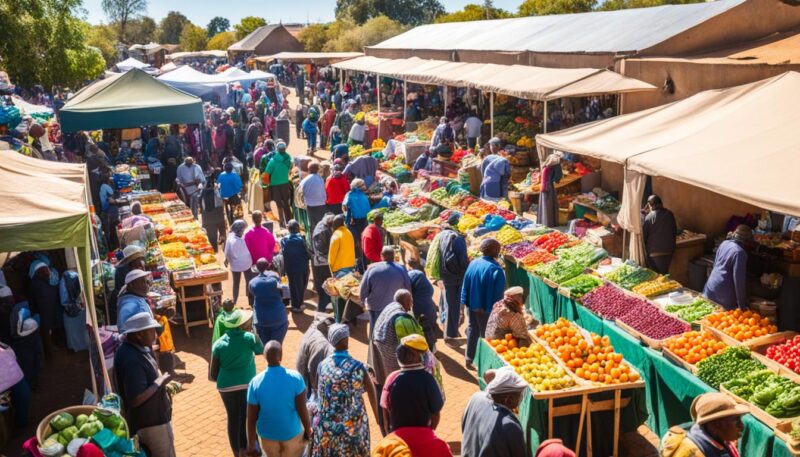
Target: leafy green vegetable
694,311
559,271
582,284
62,421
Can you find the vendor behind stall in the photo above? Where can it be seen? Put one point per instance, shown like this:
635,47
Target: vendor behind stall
659,231
548,200
727,283
496,172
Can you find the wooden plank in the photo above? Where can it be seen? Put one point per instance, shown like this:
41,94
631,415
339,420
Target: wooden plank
550,418
752,342
617,394
782,431
584,404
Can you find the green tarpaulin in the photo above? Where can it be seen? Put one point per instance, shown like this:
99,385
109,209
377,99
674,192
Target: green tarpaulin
670,389
131,99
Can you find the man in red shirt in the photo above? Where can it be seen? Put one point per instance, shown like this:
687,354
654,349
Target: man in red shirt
336,187
326,123
372,240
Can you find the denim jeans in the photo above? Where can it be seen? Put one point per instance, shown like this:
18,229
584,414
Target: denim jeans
475,330
452,311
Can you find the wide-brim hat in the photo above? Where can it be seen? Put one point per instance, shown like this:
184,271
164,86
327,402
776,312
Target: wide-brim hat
237,318
712,406
141,321
130,253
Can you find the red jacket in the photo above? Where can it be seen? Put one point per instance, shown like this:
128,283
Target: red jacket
327,121
336,189
372,243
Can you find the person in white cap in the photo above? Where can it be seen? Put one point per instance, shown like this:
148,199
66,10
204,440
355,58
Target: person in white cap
132,259
133,298
147,406
489,425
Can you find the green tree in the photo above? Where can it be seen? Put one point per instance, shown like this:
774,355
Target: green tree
142,30
221,41
371,32
473,12
625,4
546,7
247,25
217,25
48,45
406,12
193,38
314,37
170,28
121,12
101,37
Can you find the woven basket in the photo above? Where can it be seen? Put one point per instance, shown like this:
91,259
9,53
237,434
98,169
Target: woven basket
44,430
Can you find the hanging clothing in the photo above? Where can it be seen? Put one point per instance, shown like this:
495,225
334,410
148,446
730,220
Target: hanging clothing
548,199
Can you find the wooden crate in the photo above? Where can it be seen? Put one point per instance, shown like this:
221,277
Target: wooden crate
782,431
752,342
760,414
759,352
550,283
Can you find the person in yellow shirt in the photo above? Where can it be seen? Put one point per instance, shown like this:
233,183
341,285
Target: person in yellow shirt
342,252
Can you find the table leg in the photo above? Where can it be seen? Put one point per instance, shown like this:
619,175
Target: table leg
584,400
617,397
183,309
549,418
589,431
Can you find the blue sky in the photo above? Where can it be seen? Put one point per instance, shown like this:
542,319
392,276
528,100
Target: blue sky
201,11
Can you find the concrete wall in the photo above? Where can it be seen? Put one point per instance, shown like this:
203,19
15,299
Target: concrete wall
689,78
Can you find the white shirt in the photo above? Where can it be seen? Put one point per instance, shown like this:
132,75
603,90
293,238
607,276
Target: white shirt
357,132
188,174
237,254
472,126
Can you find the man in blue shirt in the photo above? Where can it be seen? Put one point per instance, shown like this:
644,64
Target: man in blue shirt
132,298
270,313
276,409
313,187
727,284
356,206
380,282
230,185
496,172
484,284
295,249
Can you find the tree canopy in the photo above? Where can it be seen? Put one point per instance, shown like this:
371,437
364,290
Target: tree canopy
217,25
247,25
406,12
625,4
170,28
344,37
221,41
193,38
121,12
473,12
547,7
314,37
48,46
142,30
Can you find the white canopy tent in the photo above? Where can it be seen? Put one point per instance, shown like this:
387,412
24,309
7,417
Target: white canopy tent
131,63
740,142
191,81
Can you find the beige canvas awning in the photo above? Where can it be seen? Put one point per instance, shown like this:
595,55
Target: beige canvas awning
521,81
318,58
741,142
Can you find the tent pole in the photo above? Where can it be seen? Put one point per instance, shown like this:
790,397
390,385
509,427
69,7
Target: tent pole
92,315
445,100
491,113
378,100
405,99
544,122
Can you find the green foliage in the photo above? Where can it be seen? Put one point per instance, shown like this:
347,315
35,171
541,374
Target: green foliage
314,37
247,25
121,12
546,7
473,12
170,28
625,4
101,37
217,25
355,38
141,30
221,41
406,12
193,38
45,43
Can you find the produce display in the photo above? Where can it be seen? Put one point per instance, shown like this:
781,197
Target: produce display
481,208
582,253
536,257
508,235
551,241
559,270
607,204
611,303
533,364
628,275
519,250
658,286
732,363
396,218
468,222
64,427
592,359
777,396
694,346
582,284
694,311
741,325
652,323
787,354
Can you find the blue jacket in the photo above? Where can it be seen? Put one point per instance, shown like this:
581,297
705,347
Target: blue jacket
267,300
129,305
484,284
453,249
230,184
357,204
295,251
727,283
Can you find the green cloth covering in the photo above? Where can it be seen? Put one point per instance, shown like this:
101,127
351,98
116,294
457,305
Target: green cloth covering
669,388
131,99
516,276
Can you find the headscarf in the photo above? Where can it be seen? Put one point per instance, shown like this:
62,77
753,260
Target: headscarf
506,381
338,332
238,227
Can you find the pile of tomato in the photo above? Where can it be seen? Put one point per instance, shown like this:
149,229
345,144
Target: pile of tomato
787,354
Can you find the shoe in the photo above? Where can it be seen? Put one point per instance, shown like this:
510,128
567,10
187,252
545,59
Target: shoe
452,342
297,310
469,366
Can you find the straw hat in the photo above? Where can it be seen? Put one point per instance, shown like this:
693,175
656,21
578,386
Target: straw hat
237,318
131,252
712,406
141,321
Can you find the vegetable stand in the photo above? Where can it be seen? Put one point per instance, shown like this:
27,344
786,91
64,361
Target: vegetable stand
193,290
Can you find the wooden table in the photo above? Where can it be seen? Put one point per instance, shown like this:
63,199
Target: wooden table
211,287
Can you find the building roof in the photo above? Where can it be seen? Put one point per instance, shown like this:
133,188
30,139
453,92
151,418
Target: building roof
621,31
319,58
251,41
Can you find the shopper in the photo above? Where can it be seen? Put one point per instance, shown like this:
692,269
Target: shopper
313,188
472,130
190,178
453,263
321,243
212,207
380,283
276,409
484,283
232,367
727,284
548,199
237,256
356,208
295,253
270,321
278,170
74,311
496,172
372,240
314,348
424,308
147,406
133,297
342,250
230,189
336,187
659,231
